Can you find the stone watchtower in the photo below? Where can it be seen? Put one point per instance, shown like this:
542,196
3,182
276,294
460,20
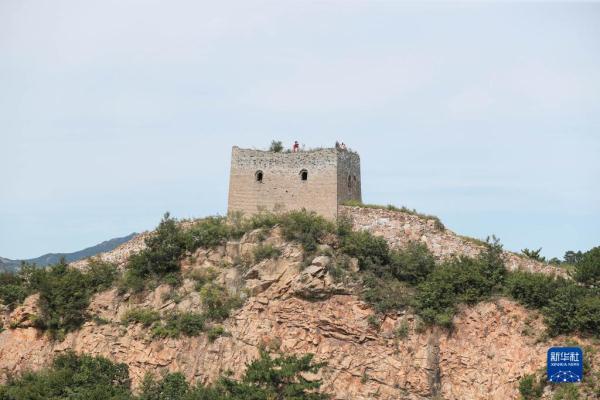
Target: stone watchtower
317,180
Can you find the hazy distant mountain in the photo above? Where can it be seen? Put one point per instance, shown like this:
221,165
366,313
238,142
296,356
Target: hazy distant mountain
52,258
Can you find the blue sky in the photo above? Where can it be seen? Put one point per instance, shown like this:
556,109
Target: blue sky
113,112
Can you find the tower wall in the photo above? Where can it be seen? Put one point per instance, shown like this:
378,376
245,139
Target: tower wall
282,187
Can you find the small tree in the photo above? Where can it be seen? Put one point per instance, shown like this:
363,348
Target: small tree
587,268
277,378
276,146
533,254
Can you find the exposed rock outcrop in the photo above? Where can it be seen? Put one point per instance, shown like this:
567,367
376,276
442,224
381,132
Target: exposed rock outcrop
304,310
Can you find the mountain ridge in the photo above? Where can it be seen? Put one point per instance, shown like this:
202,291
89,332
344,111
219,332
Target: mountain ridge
7,264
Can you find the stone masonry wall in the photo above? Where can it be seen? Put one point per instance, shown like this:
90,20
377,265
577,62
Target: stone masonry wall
349,182
282,187
400,228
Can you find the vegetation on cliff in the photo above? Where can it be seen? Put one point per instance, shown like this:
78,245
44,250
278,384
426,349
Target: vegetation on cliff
74,377
391,279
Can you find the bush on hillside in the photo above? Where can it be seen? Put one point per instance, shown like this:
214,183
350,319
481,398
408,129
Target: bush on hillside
276,146
412,264
371,251
217,301
172,386
65,295
72,377
145,316
562,308
531,289
530,387
587,268
533,254
78,377
266,378
306,227
587,317
208,232
180,323
13,289
101,274
493,267
276,378
164,248
265,251
460,280
386,294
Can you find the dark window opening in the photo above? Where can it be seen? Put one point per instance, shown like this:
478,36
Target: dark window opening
349,182
304,175
259,176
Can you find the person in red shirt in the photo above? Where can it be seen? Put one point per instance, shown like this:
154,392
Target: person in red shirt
296,146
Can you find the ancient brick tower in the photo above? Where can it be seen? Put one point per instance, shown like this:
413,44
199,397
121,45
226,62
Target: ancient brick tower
318,180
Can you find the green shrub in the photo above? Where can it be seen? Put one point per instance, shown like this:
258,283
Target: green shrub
265,251
79,377
262,219
101,274
13,289
276,146
530,387
145,316
460,280
203,276
531,289
305,227
412,264
180,323
374,321
172,386
344,225
402,331
386,294
217,301
64,297
215,332
371,251
533,254
72,377
560,313
265,379
276,378
566,391
208,232
587,317
587,267
492,263
164,248
64,292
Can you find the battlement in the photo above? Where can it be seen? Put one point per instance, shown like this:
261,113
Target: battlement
317,180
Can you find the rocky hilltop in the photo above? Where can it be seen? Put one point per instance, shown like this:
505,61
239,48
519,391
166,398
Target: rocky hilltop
296,306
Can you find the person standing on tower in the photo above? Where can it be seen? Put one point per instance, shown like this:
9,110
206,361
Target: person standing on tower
296,146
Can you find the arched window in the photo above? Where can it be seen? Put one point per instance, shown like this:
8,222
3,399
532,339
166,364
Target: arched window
304,175
259,176
349,182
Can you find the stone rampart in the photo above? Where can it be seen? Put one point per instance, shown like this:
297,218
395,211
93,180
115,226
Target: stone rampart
400,228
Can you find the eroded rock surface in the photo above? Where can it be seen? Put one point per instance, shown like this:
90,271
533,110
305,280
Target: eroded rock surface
300,310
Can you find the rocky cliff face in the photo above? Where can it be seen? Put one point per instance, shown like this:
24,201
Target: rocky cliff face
302,309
